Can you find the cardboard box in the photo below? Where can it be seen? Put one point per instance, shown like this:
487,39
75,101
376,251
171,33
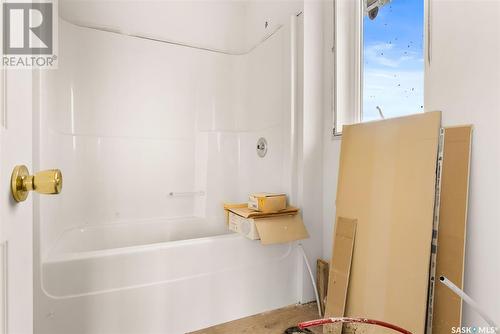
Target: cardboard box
265,202
229,206
270,229
244,226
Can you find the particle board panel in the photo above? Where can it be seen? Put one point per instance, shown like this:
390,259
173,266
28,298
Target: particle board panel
387,179
447,310
343,244
272,322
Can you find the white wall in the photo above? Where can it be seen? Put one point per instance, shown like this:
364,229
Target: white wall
226,25
210,24
310,143
463,81
331,145
275,13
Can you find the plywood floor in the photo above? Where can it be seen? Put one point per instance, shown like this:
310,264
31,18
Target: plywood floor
272,322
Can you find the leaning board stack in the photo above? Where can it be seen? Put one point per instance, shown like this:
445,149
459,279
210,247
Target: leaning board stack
393,203
266,217
387,178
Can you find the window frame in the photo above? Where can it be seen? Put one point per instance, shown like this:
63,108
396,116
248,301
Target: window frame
347,63
347,102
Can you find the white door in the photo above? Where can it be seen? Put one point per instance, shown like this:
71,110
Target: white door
16,219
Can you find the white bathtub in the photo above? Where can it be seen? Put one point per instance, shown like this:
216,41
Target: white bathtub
143,278
85,240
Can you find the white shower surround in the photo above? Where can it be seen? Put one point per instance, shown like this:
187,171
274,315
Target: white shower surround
130,121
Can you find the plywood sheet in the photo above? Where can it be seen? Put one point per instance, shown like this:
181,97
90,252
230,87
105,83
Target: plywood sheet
343,245
322,274
387,181
272,322
452,225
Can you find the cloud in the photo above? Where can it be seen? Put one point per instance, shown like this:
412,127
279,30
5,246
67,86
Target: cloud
396,92
388,55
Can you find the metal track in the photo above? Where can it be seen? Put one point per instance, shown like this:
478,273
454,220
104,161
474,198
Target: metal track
435,226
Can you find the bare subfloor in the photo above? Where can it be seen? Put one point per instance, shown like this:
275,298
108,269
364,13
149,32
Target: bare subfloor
272,322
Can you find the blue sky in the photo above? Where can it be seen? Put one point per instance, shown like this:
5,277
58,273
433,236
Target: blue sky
393,60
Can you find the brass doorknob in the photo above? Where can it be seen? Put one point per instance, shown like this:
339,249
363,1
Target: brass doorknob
44,182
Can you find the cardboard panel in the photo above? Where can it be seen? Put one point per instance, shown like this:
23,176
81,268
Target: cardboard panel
280,229
452,226
343,246
249,213
387,181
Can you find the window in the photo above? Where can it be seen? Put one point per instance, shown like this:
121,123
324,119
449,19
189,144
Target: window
393,63
378,60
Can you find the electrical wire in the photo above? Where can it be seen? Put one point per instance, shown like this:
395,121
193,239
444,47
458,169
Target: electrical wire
320,322
312,278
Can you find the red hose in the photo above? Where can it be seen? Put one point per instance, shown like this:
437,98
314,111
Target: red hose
320,322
